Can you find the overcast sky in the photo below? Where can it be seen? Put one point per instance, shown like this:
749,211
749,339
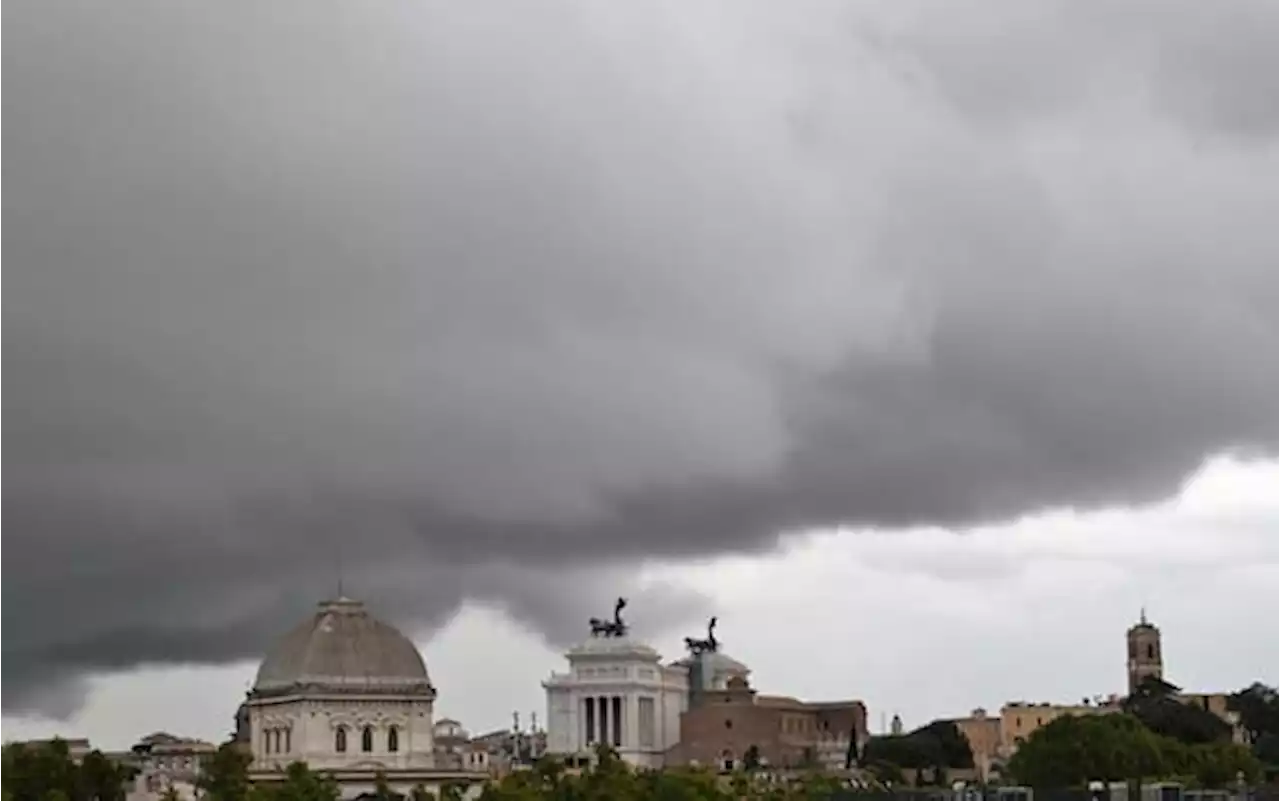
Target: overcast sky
924,623
476,299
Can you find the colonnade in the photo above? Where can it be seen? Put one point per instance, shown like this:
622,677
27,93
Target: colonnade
602,720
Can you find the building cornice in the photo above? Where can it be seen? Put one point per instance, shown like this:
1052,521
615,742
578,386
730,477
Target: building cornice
301,694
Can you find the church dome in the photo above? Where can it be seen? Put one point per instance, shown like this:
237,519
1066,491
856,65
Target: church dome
343,648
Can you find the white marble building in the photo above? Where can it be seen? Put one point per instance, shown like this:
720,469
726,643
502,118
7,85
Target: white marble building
617,691
349,695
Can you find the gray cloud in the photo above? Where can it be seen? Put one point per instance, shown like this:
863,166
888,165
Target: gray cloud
462,297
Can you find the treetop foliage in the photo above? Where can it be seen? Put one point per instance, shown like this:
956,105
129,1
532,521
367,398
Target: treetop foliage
1077,749
46,772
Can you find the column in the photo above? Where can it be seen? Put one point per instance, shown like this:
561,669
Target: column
603,703
617,721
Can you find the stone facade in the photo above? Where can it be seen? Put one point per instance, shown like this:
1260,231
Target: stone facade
350,696
617,691
331,732
699,709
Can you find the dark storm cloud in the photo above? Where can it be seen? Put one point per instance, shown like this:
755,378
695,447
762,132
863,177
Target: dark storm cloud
479,301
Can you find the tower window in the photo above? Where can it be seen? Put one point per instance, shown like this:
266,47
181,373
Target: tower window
1151,650
340,740
393,739
366,739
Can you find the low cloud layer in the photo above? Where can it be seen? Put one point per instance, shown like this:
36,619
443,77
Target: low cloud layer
455,298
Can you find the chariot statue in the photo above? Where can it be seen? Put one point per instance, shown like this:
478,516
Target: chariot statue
610,628
707,645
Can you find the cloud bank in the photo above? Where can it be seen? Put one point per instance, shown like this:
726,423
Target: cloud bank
464,299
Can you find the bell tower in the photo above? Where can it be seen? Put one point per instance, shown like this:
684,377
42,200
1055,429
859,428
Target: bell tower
1145,657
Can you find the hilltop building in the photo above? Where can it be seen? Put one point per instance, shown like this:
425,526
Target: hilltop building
993,739
349,695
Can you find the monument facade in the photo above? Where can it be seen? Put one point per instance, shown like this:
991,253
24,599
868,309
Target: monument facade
617,692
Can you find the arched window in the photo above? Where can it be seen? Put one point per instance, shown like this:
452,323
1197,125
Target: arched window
366,739
340,740
1151,651
393,739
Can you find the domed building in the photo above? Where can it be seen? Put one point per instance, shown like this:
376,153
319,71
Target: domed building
349,695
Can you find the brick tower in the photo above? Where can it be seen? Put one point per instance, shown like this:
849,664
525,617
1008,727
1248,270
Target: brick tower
1145,658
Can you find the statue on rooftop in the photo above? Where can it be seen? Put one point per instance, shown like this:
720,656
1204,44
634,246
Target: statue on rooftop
610,628
708,645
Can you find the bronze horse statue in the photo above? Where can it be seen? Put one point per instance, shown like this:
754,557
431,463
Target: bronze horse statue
705,646
610,628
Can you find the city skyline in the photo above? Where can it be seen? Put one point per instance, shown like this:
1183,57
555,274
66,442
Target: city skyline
1222,517
923,342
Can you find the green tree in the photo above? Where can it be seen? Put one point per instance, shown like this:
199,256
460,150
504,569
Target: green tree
946,743
1154,702
1267,749
938,745
421,793
1217,765
609,779
300,784
170,794
225,775
100,779
751,758
886,773
1258,706
1259,709
41,771
1073,750
1186,723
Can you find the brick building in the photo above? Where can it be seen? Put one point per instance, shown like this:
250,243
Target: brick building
727,723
